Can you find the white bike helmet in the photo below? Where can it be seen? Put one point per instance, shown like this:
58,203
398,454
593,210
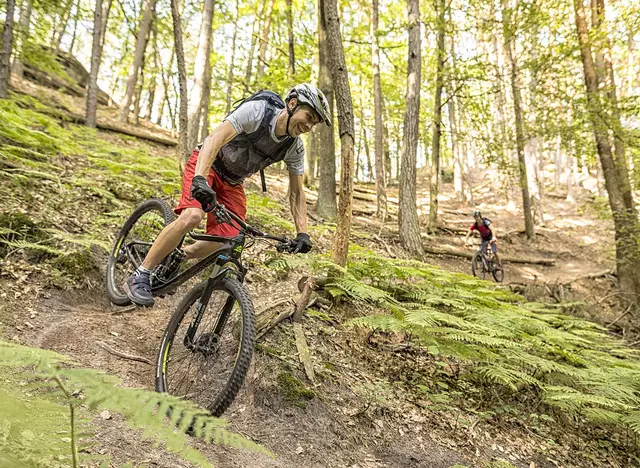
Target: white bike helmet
311,95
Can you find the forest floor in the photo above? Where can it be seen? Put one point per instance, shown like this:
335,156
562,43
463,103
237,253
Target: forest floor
352,416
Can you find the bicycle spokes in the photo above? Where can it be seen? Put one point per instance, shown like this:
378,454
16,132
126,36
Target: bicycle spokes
205,348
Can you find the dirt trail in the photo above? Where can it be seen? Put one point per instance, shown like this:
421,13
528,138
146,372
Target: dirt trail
319,435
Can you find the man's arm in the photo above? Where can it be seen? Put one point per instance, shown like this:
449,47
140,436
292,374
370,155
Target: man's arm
469,233
298,202
220,136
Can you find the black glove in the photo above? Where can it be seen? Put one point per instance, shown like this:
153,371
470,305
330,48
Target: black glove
201,191
302,243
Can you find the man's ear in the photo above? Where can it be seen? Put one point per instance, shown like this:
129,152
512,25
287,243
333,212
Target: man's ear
293,102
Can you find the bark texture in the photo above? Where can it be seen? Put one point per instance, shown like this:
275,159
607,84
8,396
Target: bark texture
23,35
625,222
141,45
183,149
264,41
510,43
254,38
200,74
7,45
292,50
233,59
326,205
381,186
407,213
437,121
346,129
92,89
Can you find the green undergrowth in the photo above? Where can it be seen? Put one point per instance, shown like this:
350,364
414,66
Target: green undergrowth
66,188
497,353
49,413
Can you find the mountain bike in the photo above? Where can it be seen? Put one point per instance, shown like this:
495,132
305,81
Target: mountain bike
207,346
482,263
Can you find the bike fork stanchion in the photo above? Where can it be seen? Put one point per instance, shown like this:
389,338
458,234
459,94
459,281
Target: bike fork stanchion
202,305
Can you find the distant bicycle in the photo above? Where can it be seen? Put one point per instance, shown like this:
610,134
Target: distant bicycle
482,263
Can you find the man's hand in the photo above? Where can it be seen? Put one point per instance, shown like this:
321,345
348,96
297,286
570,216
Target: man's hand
201,191
302,243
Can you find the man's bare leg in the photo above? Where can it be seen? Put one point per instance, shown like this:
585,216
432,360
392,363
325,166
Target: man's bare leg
138,285
171,236
201,249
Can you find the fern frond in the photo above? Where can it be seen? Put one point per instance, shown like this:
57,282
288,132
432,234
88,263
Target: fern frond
139,407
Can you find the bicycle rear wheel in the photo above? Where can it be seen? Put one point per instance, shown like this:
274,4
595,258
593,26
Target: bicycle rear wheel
477,266
209,368
132,244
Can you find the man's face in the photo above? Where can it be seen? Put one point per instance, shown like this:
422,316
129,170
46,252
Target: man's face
478,218
302,120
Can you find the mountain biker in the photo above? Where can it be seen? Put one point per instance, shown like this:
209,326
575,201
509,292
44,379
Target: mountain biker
482,225
262,130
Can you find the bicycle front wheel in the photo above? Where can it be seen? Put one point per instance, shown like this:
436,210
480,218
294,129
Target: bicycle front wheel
498,275
209,365
477,266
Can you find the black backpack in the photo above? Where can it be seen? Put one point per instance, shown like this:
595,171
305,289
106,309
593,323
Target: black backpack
263,95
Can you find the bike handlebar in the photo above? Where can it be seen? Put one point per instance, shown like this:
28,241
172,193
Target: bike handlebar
226,216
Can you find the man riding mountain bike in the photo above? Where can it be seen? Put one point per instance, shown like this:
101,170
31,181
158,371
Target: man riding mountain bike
262,130
482,225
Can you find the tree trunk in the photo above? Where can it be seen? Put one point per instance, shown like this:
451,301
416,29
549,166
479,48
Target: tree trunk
368,155
199,74
407,212
254,37
7,46
326,205
204,102
386,143
233,59
76,16
292,51
346,129
154,75
625,222
165,86
66,13
141,45
458,185
509,38
138,94
92,90
106,10
604,55
311,157
437,121
23,34
381,186
183,149
264,42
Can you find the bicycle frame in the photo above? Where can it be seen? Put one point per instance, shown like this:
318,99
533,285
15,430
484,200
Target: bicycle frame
228,252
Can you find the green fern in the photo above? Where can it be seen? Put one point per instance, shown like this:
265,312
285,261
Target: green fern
141,408
566,363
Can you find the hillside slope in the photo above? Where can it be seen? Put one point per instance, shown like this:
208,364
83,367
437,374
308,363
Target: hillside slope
460,372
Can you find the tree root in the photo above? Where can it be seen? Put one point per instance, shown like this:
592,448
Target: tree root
122,355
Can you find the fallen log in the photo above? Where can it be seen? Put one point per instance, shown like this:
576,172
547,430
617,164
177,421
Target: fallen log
505,258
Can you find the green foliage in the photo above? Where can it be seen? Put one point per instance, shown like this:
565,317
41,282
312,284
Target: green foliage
38,428
526,351
66,190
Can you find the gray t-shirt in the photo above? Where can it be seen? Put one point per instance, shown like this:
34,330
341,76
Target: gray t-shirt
247,118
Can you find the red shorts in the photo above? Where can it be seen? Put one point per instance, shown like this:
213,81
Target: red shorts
231,196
